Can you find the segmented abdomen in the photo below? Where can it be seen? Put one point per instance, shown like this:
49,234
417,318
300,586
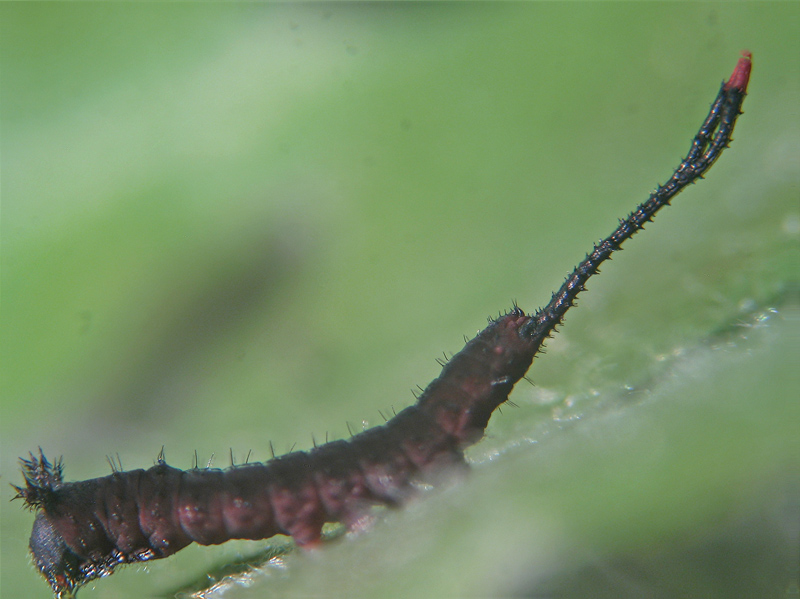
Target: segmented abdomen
85,529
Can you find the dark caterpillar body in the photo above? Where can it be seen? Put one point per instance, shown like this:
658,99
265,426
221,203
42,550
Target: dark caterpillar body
83,530
86,528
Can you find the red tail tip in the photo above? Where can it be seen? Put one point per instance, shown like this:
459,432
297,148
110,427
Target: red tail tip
741,74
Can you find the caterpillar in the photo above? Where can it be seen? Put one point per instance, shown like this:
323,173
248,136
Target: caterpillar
84,530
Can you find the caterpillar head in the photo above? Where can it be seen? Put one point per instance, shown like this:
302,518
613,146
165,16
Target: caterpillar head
57,563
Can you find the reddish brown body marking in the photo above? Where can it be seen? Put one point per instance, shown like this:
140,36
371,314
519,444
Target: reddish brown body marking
83,530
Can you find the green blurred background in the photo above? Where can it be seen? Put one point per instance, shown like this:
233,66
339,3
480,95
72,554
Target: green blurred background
230,224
